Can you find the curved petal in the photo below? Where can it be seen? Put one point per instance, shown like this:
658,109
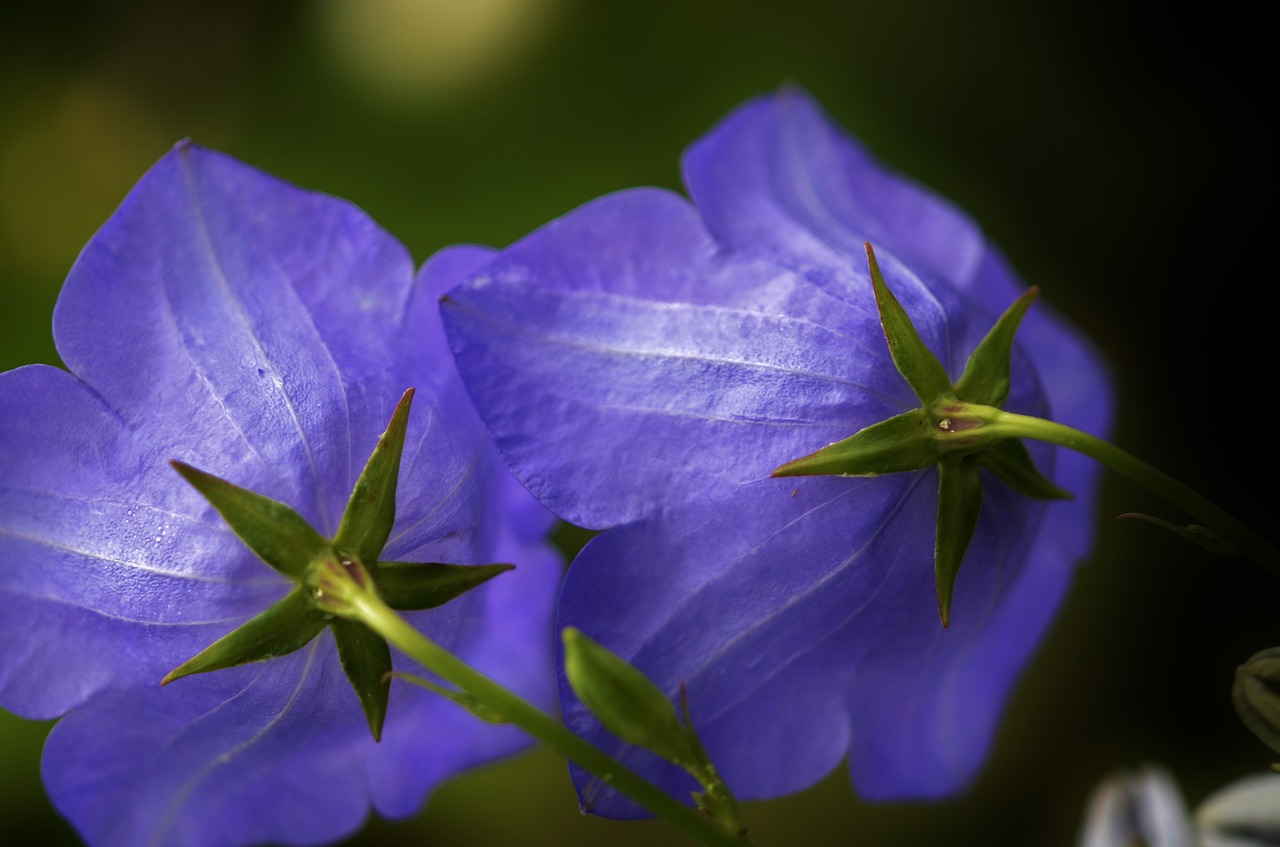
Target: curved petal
179,313
776,171
693,372
264,752
803,617
98,582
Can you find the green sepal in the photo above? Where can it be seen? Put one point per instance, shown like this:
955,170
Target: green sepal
463,699
917,364
371,510
950,430
1256,695
901,443
411,586
366,658
1010,460
625,701
1194,533
986,375
959,504
277,534
284,627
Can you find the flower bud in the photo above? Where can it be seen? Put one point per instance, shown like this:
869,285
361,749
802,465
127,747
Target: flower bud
1245,813
1256,694
625,701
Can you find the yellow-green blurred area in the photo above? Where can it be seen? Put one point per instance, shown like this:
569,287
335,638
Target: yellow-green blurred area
1123,161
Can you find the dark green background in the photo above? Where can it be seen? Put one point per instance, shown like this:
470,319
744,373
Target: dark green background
1123,161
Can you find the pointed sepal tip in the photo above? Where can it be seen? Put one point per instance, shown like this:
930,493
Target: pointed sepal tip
986,375
285,626
915,361
959,506
410,586
366,660
371,510
274,532
901,443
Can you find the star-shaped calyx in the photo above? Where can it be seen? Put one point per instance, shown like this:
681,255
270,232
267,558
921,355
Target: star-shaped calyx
285,541
949,430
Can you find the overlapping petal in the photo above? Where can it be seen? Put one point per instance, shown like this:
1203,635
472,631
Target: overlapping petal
263,334
620,331
777,172
644,364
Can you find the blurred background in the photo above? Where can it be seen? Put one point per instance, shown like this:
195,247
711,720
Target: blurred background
1120,160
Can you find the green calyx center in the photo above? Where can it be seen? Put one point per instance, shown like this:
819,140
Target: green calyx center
957,428
330,576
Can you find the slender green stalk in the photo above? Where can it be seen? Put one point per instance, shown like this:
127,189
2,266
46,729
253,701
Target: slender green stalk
379,617
999,423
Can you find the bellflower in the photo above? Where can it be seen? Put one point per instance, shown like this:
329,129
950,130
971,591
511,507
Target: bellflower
645,363
226,320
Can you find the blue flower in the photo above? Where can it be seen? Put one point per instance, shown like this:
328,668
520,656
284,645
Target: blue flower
645,363
264,334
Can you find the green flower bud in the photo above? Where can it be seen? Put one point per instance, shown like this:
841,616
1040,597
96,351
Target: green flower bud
1256,694
625,701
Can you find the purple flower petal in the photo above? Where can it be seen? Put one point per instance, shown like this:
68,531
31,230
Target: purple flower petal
777,172
690,369
644,365
98,582
269,752
264,334
801,616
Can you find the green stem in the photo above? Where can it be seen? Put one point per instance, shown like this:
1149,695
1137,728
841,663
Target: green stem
376,615
997,422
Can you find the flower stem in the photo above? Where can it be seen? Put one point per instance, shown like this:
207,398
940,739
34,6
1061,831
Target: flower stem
379,617
1245,541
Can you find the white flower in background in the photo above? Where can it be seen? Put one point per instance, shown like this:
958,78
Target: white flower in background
1244,814
1145,809
1140,809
